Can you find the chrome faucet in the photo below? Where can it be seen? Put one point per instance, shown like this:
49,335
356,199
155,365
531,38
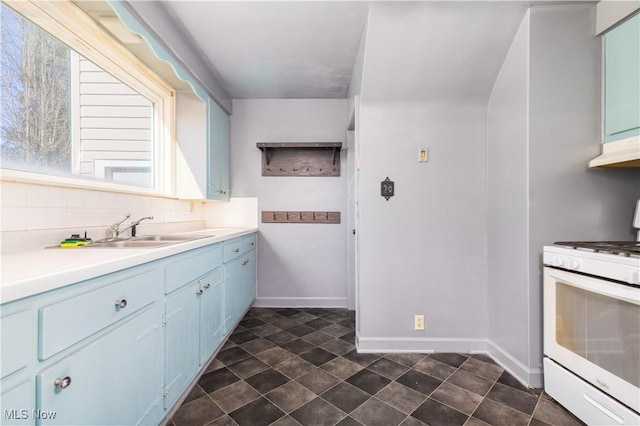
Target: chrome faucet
115,228
134,224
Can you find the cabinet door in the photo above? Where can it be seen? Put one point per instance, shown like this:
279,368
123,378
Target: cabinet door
17,404
182,355
211,313
218,152
232,291
622,81
117,379
248,281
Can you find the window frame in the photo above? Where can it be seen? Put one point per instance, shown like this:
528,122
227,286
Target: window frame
69,24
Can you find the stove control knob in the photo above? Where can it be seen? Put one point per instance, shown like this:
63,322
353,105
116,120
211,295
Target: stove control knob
573,264
557,261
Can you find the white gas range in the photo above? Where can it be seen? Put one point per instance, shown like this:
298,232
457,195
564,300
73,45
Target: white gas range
592,329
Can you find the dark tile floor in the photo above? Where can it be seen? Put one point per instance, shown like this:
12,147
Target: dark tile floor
300,367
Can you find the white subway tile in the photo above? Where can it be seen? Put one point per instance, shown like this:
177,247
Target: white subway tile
37,195
37,218
14,194
13,218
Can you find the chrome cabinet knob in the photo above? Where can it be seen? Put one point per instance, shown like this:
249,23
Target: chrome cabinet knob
121,304
199,292
207,286
237,250
63,383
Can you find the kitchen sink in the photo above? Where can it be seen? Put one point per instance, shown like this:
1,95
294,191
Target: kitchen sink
145,241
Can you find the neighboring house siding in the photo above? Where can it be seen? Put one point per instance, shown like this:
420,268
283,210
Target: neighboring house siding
115,125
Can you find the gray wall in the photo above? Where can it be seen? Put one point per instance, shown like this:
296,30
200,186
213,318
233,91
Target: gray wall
298,264
542,129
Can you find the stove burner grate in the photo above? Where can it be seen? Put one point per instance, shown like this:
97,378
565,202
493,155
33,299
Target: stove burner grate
624,248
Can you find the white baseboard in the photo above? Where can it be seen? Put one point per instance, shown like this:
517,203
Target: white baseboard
527,376
300,302
420,345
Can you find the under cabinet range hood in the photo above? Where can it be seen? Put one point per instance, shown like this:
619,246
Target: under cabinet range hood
622,153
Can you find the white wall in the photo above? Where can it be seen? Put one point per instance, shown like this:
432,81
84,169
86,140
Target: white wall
543,127
298,264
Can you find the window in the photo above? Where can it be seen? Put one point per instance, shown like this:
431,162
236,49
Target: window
84,108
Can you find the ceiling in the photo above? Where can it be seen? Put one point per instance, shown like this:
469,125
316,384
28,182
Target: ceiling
272,49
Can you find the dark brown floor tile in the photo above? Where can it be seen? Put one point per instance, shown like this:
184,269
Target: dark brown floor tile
298,346
434,368
267,380
338,347
235,396
285,421
349,421
472,421
349,337
290,396
484,358
265,330
233,355
363,359
407,359
222,421
376,413
285,323
453,359
301,330
334,317
412,421
336,330
317,356
456,397
318,381
294,367
318,338
513,398
401,397
195,393
218,379
198,412
318,413
242,337
248,367
498,414
318,311
250,323
341,368
345,396
214,365
287,312
434,413
420,382
274,356
387,368
552,413
281,337
368,381
507,379
536,422
260,412
318,323
471,382
257,345
349,323
303,317
482,369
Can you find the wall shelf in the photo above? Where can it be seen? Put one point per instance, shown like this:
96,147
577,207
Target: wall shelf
300,158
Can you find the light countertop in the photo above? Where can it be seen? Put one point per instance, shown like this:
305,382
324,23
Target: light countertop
32,272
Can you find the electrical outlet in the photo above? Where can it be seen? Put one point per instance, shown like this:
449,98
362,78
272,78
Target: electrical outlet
419,322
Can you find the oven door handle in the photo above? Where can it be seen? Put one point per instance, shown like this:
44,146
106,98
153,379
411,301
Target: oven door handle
595,285
606,411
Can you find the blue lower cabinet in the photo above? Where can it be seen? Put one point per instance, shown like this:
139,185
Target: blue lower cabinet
232,287
117,379
211,313
181,323
17,403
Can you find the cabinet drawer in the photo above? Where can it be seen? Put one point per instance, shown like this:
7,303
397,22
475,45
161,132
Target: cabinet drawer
18,340
66,323
187,267
249,243
232,250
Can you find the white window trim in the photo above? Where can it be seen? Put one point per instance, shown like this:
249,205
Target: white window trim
68,23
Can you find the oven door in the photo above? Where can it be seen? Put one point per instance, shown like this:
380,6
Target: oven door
592,328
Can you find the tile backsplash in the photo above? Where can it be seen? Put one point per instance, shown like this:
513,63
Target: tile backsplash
32,214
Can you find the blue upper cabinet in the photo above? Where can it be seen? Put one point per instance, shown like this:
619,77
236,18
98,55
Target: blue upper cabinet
622,81
218,152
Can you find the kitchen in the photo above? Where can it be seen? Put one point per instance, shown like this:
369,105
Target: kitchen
510,123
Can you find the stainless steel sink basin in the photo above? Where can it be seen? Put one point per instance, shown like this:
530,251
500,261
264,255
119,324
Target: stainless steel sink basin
145,241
